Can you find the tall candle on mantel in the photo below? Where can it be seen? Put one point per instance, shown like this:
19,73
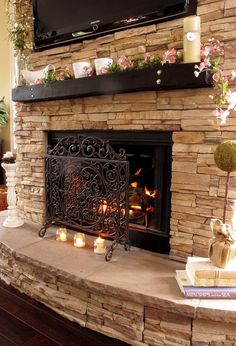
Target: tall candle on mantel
192,39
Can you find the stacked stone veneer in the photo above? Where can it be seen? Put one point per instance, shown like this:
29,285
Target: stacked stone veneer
136,319
197,185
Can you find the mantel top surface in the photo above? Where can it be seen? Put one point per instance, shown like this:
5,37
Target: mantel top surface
167,77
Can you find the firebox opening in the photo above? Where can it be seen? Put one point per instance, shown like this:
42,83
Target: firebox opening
149,157
143,189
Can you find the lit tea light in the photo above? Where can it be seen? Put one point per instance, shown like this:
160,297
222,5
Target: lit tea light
79,240
61,234
99,246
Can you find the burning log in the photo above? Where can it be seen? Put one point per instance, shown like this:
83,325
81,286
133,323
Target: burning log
141,204
138,199
137,216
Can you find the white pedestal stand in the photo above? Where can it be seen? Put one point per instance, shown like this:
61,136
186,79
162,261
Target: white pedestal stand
12,220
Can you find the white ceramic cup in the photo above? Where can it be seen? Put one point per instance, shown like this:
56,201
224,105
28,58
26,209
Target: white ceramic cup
102,64
81,69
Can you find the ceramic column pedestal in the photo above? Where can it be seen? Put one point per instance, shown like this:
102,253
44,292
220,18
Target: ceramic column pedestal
12,220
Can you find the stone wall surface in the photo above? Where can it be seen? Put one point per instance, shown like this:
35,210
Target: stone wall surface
197,184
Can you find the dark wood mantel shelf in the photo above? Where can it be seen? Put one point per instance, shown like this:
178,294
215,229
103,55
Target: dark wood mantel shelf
178,76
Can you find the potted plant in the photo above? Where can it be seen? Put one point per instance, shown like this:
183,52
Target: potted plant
222,249
3,113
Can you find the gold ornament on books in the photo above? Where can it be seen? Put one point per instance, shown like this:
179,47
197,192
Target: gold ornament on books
222,249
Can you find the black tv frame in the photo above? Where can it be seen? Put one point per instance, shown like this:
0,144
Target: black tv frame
42,42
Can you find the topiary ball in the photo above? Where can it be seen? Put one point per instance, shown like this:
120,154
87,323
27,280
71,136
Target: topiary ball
225,156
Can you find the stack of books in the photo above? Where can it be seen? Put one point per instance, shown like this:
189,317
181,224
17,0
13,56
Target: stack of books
201,279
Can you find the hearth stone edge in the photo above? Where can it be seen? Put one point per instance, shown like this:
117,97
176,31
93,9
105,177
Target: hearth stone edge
101,296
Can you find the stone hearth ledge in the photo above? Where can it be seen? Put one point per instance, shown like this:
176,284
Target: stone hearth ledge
134,297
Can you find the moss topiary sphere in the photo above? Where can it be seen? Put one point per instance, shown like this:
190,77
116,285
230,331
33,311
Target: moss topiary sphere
225,156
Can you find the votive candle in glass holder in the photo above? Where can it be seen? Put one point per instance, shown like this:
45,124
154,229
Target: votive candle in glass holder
99,246
61,234
79,240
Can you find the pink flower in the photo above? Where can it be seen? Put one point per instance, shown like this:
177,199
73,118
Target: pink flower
200,67
124,63
103,70
216,77
88,71
203,65
233,74
38,81
207,62
61,76
231,99
221,114
223,97
216,112
148,57
205,51
169,56
211,48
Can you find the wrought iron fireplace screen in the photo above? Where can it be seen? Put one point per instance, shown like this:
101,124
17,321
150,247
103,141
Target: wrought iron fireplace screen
87,188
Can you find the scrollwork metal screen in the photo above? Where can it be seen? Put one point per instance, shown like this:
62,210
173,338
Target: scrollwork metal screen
87,187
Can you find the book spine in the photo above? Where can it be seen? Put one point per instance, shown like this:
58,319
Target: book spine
210,293
190,275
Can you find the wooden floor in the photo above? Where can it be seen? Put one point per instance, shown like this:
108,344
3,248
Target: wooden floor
23,321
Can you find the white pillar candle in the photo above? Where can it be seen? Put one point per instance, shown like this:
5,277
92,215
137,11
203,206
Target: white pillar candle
99,246
192,39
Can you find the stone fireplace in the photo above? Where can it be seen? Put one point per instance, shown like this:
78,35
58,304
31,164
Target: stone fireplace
135,297
148,155
196,185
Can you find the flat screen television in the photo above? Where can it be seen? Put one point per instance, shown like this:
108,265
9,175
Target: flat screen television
58,22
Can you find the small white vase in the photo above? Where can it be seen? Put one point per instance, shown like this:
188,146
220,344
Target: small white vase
20,64
81,69
102,65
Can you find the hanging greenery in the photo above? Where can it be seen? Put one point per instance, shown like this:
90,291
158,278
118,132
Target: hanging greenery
20,24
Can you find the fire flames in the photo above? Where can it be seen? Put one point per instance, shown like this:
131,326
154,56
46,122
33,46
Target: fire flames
149,192
102,207
141,200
